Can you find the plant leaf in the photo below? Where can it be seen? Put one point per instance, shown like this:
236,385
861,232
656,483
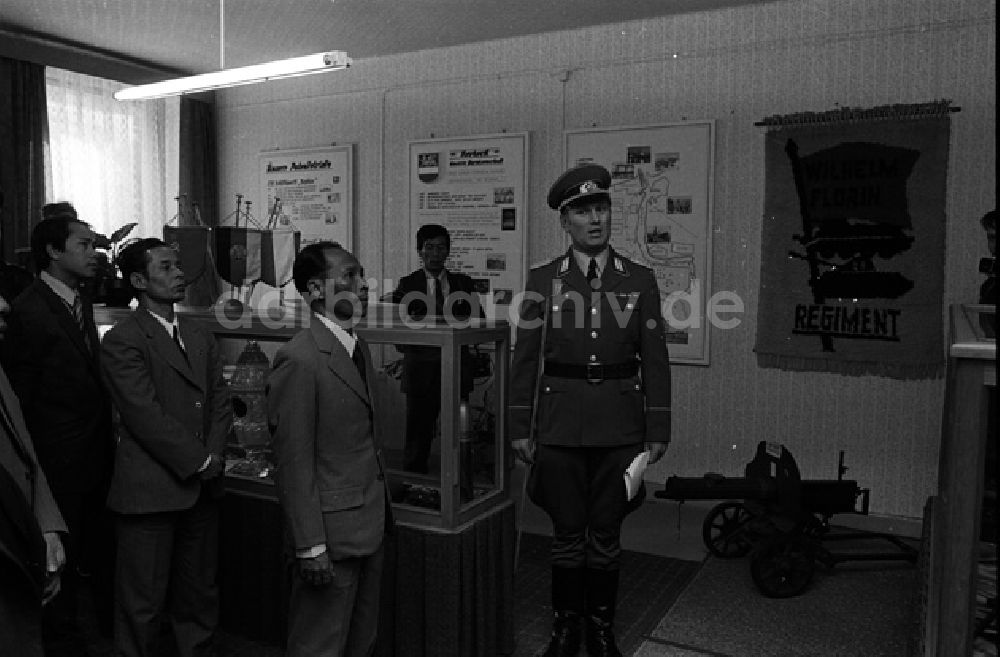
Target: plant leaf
122,232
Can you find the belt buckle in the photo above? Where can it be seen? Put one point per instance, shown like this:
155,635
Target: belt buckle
595,378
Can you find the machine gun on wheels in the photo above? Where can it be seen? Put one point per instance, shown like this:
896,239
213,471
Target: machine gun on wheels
781,520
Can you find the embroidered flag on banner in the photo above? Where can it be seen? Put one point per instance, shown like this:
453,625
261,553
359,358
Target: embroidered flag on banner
250,255
852,267
194,244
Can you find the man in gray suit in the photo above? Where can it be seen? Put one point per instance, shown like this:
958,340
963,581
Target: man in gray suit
329,478
31,549
166,381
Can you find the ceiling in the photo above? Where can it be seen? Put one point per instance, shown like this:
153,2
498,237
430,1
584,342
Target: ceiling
182,36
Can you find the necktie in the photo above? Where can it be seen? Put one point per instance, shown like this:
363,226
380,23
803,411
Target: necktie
359,362
592,270
438,297
177,341
78,316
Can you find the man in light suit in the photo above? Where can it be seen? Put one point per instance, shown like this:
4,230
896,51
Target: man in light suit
51,356
329,478
166,381
31,550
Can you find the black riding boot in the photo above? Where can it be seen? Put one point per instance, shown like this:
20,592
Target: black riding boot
567,612
602,591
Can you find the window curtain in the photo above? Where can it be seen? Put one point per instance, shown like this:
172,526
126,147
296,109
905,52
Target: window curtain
23,141
198,179
111,159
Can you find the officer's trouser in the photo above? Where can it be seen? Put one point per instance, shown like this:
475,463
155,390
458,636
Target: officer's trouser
583,491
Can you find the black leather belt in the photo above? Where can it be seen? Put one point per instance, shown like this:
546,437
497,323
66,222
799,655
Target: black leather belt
592,372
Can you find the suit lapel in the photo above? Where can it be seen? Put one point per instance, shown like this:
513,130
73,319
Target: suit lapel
8,401
196,354
165,346
339,361
64,318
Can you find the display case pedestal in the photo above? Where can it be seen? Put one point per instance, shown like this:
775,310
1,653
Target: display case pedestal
444,592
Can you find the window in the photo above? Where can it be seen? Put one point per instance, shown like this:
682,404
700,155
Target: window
116,162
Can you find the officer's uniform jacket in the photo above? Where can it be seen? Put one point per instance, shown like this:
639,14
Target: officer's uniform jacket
618,323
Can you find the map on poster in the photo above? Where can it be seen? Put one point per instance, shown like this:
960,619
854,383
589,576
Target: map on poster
476,188
308,190
661,194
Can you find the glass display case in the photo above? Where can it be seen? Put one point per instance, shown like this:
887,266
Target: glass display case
451,470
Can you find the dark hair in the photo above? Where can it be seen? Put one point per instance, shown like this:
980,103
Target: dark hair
989,220
429,232
135,258
310,263
52,230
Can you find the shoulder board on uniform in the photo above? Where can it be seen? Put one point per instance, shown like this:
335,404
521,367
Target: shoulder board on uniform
619,265
563,267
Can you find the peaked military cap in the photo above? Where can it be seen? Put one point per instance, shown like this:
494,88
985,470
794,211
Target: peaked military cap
578,182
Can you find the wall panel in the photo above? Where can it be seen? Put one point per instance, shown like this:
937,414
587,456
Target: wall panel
735,66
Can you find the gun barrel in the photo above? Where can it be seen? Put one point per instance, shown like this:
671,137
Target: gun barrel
725,488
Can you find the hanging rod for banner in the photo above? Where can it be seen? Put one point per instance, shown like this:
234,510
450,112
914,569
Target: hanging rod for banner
842,114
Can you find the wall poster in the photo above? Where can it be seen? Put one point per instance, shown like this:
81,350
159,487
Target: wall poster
309,190
476,187
661,194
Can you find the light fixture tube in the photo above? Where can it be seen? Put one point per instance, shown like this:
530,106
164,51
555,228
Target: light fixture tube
282,68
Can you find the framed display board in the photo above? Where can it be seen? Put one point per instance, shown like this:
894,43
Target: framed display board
476,187
661,217
314,192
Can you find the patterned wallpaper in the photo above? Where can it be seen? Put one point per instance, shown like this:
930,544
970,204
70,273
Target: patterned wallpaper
735,66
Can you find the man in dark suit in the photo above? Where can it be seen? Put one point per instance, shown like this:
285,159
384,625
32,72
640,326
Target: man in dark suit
31,550
436,292
51,356
329,475
591,364
166,380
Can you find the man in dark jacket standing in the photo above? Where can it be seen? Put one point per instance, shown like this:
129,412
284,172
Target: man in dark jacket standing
431,293
51,355
31,550
591,367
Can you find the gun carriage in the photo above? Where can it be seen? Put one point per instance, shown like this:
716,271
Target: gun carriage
781,520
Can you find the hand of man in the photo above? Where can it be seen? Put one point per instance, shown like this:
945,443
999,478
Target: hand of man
214,467
524,449
316,571
656,451
55,559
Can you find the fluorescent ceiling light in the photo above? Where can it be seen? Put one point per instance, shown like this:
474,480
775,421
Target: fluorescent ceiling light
282,68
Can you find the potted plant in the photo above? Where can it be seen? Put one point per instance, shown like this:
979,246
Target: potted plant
109,288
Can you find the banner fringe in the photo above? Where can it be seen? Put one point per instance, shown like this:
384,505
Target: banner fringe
907,372
931,109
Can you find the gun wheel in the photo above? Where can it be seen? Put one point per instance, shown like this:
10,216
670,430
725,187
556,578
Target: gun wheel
783,569
725,531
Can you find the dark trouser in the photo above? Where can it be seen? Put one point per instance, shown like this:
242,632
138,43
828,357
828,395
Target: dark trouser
341,618
422,409
583,491
20,614
171,554
90,548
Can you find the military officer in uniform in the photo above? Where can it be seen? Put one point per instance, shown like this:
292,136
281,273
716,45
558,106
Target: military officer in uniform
590,390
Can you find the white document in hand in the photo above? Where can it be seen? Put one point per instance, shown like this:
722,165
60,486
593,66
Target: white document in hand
633,474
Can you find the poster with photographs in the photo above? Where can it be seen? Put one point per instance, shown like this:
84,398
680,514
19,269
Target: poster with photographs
661,215
476,188
309,190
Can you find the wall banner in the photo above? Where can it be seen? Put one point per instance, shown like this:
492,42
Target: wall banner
476,187
852,266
